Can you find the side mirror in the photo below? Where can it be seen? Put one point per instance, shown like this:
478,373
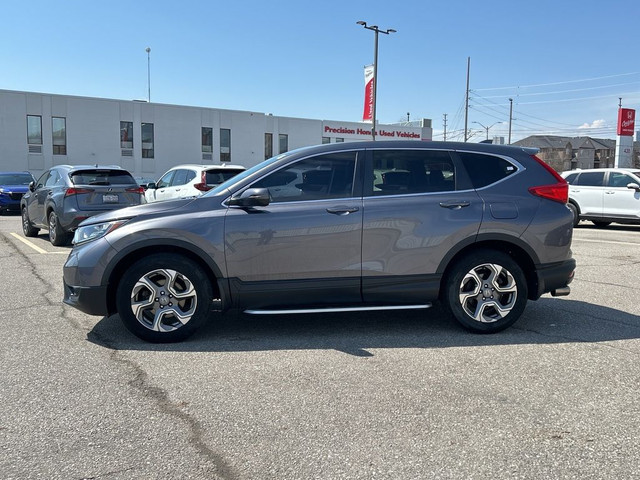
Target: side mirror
251,197
151,186
32,186
633,186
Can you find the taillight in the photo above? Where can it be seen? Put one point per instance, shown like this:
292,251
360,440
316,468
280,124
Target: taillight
76,191
558,192
139,190
202,186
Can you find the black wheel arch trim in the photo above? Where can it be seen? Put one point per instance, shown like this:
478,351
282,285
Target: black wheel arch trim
173,244
481,240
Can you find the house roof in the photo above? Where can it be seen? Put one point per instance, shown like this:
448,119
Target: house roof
557,142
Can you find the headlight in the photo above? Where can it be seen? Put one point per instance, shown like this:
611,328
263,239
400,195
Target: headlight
88,233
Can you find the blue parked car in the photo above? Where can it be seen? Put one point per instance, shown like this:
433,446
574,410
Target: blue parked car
13,185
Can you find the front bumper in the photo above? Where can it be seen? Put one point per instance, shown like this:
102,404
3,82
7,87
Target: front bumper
91,300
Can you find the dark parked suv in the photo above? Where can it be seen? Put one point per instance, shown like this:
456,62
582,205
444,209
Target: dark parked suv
66,195
339,227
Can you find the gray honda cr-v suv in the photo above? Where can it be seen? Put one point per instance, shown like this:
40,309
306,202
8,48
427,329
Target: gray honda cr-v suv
339,227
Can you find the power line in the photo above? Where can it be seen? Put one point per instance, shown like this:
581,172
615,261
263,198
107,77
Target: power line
558,83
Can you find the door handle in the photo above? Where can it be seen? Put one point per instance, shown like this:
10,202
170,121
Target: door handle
342,210
455,205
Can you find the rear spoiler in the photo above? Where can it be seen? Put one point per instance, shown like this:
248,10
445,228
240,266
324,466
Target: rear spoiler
530,150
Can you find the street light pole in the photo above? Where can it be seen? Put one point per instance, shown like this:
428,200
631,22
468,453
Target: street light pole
376,30
487,128
148,50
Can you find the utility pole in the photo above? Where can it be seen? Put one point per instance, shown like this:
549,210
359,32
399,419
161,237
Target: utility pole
466,108
148,50
510,118
445,126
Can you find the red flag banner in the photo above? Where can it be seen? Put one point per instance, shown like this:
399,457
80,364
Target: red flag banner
626,121
367,116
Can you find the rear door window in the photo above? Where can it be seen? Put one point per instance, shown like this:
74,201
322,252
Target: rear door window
397,172
486,169
180,178
590,179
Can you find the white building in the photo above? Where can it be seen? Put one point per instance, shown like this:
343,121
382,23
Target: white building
39,130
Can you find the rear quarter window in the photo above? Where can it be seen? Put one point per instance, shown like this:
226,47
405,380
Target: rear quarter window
486,169
571,178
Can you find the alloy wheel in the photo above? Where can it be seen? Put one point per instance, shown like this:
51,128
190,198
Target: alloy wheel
163,300
488,292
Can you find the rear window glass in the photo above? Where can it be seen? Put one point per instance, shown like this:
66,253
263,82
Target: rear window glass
214,177
590,179
102,177
486,169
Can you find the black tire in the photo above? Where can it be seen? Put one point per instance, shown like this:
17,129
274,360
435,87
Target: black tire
576,215
190,281
483,308
57,235
27,227
600,224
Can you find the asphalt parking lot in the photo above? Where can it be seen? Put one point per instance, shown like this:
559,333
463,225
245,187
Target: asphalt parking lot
405,395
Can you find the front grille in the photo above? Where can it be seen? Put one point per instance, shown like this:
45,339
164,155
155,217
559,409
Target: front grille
16,196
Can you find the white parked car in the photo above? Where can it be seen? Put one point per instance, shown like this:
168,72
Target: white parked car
184,181
604,195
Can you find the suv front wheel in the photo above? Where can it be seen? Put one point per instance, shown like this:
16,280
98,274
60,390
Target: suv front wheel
486,291
164,298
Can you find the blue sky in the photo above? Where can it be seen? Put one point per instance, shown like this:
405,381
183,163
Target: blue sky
565,63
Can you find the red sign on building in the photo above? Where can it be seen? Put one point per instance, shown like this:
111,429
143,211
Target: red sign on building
626,121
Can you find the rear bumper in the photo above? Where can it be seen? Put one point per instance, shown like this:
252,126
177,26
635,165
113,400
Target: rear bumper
555,278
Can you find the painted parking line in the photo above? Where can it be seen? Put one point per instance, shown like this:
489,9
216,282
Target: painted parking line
34,246
606,241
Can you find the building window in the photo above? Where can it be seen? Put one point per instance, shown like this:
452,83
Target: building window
268,145
59,133
207,139
326,140
126,134
339,140
34,129
283,141
225,145
147,140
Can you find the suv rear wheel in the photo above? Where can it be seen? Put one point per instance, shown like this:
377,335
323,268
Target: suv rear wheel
164,298
57,235
486,291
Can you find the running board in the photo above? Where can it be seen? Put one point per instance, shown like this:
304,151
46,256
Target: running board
337,309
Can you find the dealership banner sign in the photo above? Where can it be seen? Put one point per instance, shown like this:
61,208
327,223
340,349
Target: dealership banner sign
626,121
367,115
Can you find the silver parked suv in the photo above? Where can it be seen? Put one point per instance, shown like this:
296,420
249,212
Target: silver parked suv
339,227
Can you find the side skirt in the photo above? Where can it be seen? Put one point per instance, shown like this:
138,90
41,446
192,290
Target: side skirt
337,309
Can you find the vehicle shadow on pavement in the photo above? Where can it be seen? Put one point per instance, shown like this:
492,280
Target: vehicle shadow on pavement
547,321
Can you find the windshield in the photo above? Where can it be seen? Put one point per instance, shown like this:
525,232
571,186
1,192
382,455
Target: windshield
241,176
15,179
